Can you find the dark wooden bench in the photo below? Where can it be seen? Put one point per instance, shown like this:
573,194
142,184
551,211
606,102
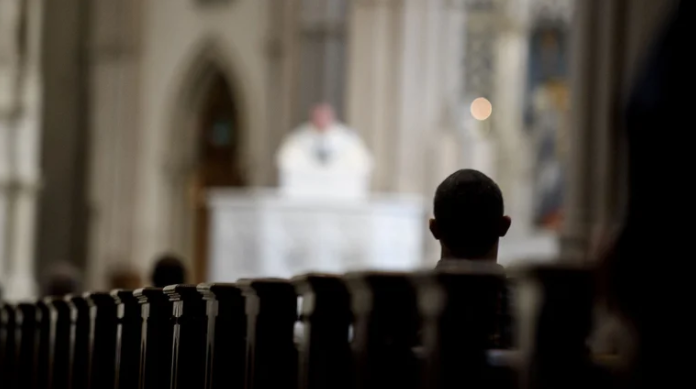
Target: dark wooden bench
432,329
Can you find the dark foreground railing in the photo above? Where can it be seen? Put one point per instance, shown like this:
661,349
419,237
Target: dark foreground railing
364,330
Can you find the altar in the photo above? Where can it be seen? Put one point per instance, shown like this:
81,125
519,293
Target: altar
264,233
322,217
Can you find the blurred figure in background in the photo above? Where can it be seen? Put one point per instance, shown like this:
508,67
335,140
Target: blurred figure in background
469,217
61,279
169,270
125,278
323,142
324,158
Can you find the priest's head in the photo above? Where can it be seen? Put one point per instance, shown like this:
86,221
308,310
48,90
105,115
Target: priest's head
322,116
469,216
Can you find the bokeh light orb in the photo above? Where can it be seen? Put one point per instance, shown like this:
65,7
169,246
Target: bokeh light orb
481,108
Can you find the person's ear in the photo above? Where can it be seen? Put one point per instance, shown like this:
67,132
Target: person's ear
504,225
432,224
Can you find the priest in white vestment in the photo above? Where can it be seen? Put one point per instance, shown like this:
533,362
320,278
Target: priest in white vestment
324,158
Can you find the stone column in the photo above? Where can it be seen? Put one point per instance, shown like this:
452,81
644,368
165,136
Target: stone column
20,118
114,52
374,59
440,129
63,212
404,91
514,147
10,22
403,86
446,139
421,112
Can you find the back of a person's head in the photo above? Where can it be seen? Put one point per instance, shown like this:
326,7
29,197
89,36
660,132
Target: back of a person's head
124,278
169,270
61,278
468,209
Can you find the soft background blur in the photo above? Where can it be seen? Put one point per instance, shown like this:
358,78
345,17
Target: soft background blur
117,117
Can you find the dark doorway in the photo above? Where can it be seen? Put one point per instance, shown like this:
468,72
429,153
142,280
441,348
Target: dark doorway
217,163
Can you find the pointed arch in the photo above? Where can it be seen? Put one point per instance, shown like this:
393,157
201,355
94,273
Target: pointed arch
209,67
208,60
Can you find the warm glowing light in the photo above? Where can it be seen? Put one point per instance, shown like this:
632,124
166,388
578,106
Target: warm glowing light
481,109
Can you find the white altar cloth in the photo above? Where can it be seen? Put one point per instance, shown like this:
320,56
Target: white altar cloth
260,233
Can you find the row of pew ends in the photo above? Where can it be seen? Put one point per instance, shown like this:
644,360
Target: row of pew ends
453,327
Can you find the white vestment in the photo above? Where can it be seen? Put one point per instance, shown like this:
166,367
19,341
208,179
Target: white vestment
330,162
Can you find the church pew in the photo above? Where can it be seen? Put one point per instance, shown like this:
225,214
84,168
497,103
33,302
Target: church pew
225,362
7,345
324,351
128,337
43,367
555,304
25,341
80,325
460,310
102,345
385,330
189,339
156,341
59,346
271,309
241,335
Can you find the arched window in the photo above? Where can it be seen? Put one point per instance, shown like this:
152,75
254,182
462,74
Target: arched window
218,163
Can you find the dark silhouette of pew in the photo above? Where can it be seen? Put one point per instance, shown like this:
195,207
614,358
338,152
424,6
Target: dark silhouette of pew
43,368
555,321
271,309
25,341
128,339
80,353
431,329
385,330
325,355
156,342
189,339
225,362
102,345
8,355
460,313
59,347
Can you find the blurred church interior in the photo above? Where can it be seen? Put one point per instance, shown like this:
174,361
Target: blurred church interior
133,128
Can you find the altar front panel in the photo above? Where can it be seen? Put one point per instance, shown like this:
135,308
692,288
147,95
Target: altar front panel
263,234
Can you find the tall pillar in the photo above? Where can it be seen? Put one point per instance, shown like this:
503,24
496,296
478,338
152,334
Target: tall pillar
10,22
403,86
374,59
20,120
441,130
445,131
114,62
404,92
62,208
514,157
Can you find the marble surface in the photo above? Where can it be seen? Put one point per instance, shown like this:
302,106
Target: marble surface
261,233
